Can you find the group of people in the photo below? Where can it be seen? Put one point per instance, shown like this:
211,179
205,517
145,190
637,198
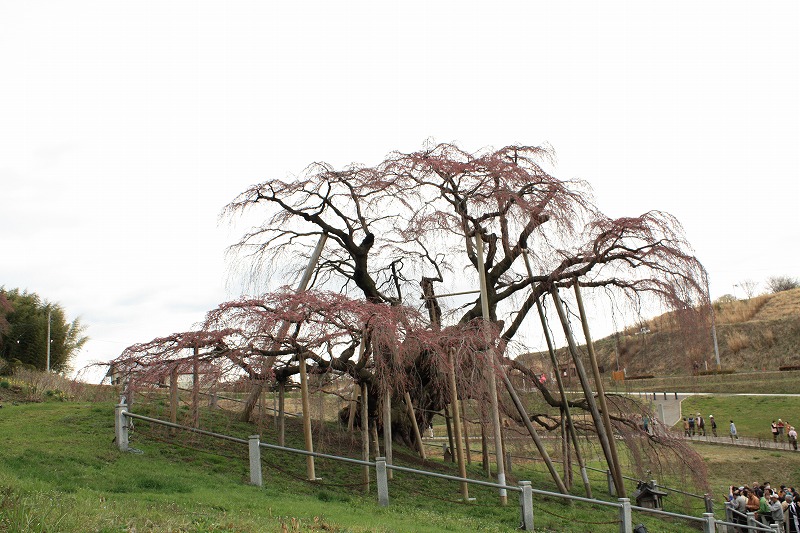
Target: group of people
780,428
696,425
770,505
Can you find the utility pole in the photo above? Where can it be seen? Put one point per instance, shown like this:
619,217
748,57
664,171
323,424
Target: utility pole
48,339
713,322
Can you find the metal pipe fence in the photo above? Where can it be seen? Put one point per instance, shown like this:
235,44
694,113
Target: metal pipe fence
525,490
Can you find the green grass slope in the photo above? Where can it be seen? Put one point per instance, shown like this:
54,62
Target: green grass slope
60,471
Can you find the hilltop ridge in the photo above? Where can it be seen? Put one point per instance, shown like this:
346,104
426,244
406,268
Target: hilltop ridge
760,333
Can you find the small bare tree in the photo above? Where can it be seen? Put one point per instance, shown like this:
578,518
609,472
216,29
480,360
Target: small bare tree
749,287
782,283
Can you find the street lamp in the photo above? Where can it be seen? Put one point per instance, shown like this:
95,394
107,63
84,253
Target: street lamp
713,321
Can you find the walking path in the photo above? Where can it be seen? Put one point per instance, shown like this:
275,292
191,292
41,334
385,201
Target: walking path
668,406
749,442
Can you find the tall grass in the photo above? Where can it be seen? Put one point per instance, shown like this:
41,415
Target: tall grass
737,341
740,310
37,386
29,513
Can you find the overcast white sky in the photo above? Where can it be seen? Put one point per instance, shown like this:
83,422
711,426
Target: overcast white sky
125,127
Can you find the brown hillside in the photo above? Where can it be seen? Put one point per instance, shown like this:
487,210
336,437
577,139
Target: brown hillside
758,334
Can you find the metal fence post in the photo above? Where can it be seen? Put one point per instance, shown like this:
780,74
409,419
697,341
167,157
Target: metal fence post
625,516
121,426
751,519
526,505
710,524
729,516
382,481
612,490
775,527
255,460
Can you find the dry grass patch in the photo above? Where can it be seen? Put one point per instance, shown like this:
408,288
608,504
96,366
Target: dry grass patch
741,310
737,341
784,304
767,338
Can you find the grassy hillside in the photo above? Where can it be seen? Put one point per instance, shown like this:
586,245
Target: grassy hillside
759,334
60,471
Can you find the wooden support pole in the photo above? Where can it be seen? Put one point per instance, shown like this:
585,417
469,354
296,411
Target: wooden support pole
487,468
601,395
195,390
532,431
173,397
465,430
564,402
365,435
566,453
356,387
387,430
353,407
415,426
462,467
490,371
281,413
597,419
275,411
258,386
373,428
563,395
449,426
578,455
306,419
